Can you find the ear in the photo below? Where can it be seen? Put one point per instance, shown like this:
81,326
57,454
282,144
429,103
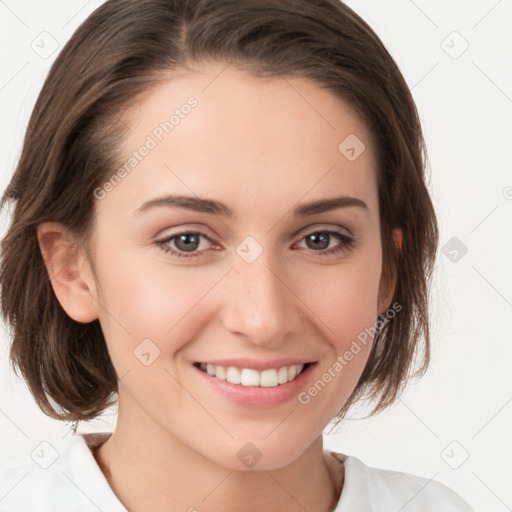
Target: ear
388,283
69,272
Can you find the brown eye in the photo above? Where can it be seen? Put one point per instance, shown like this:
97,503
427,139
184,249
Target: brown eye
187,241
182,243
319,242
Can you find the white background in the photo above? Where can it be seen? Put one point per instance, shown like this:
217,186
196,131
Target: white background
463,406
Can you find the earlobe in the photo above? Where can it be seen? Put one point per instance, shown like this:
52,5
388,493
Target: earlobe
69,272
385,295
387,285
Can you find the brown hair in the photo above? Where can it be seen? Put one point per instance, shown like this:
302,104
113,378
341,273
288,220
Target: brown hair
123,49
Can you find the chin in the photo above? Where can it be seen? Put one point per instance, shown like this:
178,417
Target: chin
257,453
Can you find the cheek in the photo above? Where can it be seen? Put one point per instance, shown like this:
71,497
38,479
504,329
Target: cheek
344,301
146,298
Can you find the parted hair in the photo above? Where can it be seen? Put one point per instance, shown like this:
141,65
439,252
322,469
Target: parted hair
123,49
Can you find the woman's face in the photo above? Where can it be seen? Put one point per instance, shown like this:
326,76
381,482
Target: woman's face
261,278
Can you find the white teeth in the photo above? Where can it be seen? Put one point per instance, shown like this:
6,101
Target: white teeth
220,373
282,375
268,378
233,375
250,377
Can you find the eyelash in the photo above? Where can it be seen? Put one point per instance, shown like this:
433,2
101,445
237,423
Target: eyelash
346,243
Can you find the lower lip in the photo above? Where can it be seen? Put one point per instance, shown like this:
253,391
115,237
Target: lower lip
256,396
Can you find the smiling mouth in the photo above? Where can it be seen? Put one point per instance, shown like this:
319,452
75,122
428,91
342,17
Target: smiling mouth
272,377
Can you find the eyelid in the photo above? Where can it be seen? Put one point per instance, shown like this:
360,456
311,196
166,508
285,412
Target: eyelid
313,228
187,228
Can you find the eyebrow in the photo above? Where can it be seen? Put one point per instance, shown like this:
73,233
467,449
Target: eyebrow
212,207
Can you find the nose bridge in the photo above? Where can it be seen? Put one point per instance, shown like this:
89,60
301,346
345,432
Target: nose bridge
259,303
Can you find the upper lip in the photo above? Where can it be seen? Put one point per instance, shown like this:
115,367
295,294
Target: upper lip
257,365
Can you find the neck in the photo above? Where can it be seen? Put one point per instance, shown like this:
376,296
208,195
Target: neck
149,469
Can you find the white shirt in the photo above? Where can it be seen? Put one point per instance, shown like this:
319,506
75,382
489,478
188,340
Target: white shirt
65,477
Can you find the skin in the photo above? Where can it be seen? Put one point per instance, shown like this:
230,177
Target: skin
262,146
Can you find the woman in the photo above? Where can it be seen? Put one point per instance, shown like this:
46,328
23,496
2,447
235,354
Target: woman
182,162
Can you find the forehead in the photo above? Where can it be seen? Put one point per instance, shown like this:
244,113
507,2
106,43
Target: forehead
245,138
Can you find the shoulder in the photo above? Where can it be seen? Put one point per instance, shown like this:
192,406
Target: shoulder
381,490
62,475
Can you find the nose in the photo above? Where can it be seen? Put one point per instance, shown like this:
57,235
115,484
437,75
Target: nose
260,304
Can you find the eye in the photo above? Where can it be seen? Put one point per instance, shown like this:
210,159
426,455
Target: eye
322,239
187,244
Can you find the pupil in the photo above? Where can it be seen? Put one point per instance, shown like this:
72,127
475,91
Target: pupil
188,244
317,238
